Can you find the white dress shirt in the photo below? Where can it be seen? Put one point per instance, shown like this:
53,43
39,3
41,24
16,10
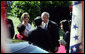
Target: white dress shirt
27,29
45,24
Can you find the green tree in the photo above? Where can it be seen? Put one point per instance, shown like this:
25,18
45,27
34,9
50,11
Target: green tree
55,3
32,7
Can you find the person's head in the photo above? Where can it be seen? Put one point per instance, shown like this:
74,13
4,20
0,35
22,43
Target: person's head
45,16
21,28
64,25
25,17
38,21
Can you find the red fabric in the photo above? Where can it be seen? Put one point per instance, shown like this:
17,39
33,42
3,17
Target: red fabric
61,49
1,50
70,8
19,36
3,9
83,22
3,16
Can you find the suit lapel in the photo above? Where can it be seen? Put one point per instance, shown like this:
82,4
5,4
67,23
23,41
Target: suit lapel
49,26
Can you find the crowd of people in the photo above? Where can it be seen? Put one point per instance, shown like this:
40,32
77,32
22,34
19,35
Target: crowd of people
46,34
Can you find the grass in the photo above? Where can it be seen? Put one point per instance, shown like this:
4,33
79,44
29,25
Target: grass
14,41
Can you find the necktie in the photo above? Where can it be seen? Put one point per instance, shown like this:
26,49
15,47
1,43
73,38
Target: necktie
45,26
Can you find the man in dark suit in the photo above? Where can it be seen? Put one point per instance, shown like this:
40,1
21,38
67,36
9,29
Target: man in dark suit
39,36
10,27
52,28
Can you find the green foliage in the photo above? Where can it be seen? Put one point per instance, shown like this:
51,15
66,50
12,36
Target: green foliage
32,7
45,4
61,32
55,3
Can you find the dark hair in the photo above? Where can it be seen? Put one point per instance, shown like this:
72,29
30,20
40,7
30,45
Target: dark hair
66,25
38,21
69,23
21,28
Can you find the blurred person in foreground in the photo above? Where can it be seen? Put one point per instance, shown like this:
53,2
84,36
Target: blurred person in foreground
10,27
39,36
21,29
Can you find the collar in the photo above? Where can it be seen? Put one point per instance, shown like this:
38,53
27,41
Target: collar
47,22
25,25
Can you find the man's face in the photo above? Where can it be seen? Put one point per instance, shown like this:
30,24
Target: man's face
45,18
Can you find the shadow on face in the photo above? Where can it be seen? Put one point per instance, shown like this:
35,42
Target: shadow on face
26,20
45,18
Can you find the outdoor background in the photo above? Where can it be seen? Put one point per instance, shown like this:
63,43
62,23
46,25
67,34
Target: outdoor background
58,10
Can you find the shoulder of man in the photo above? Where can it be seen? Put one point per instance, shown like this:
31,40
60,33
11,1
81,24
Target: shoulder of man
9,19
67,33
54,23
31,31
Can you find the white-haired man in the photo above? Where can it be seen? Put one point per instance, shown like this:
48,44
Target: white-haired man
52,28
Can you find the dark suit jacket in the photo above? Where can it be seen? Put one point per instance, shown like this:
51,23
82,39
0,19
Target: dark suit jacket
40,38
11,28
53,30
66,37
